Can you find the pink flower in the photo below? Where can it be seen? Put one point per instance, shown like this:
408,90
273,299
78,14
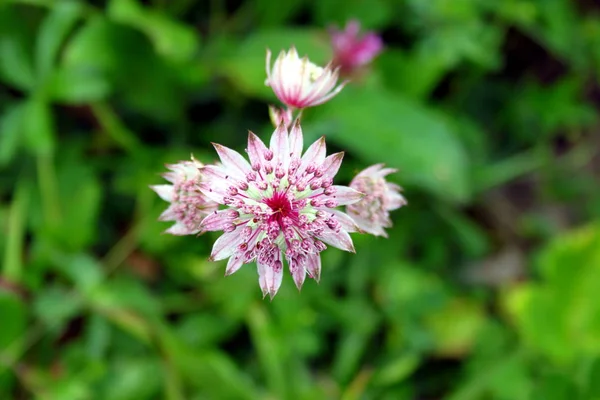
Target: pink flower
188,205
298,83
351,51
371,213
279,205
280,115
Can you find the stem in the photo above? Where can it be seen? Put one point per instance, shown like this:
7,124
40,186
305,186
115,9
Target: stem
114,127
13,264
48,189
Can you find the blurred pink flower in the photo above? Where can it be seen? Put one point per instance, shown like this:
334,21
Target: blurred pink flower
351,50
188,205
298,83
371,213
280,204
280,115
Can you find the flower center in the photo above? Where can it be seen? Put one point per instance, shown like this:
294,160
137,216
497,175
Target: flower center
281,206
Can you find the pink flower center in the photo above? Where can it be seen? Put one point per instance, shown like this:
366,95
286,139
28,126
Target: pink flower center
282,209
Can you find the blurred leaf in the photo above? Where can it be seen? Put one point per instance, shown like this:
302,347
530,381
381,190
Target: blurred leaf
56,26
78,85
171,38
16,66
133,378
13,263
11,126
13,315
559,316
401,134
38,126
373,13
455,327
55,305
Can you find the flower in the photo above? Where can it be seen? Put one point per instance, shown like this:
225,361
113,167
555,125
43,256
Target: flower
279,205
280,115
188,205
371,213
298,83
352,51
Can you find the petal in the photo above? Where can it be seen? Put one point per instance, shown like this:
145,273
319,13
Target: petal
270,277
216,221
296,140
332,164
313,266
368,226
280,145
256,149
315,154
164,191
214,193
297,271
234,263
347,223
226,245
340,239
233,161
344,195
180,229
168,214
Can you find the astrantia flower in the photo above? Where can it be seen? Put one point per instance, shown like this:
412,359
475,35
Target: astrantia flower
279,206
298,83
351,50
371,213
188,205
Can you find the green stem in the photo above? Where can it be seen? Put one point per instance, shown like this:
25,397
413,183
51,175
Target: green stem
114,127
13,264
48,189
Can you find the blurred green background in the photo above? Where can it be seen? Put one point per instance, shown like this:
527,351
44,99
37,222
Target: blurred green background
488,287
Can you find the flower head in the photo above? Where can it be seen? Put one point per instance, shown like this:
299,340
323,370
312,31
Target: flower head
188,205
351,50
280,205
298,83
371,213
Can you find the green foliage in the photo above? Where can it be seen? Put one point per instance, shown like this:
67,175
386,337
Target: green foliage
485,289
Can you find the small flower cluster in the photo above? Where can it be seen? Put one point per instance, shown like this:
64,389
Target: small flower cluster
282,204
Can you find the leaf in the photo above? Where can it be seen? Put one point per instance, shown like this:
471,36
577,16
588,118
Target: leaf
78,85
53,31
16,67
379,126
559,317
171,38
38,126
11,126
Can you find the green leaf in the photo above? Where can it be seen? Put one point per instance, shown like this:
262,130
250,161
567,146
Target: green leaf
171,38
78,85
379,126
559,317
55,305
16,66
54,29
39,126
370,13
13,313
11,126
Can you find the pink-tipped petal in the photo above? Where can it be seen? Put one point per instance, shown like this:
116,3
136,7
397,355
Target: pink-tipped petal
340,239
313,266
345,195
296,140
233,161
280,145
234,263
216,221
332,164
256,149
226,245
